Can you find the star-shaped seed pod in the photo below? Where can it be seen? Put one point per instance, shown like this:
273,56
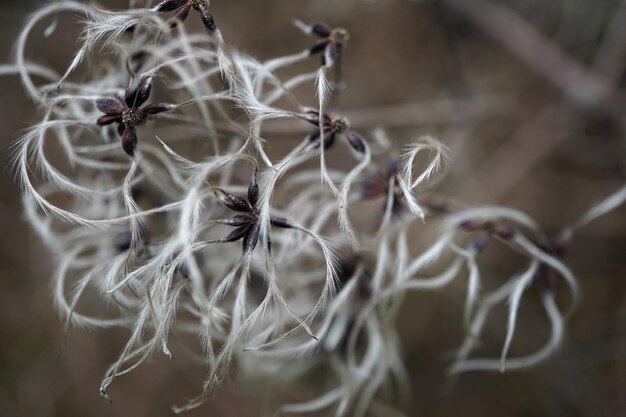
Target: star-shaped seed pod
333,127
330,44
247,224
128,113
184,6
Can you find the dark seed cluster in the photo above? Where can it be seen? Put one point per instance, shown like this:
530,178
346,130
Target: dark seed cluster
128,113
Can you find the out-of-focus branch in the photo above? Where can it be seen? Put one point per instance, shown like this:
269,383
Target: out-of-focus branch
537,51
436,112
510,163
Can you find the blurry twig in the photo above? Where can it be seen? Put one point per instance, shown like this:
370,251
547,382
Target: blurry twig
593,88
537,51
446,111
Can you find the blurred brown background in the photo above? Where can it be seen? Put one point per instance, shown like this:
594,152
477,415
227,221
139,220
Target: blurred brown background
529,96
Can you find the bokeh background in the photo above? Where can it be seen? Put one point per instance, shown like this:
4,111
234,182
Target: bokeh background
529,96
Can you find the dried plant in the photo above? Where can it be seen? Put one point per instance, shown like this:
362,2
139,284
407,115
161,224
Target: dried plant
145,224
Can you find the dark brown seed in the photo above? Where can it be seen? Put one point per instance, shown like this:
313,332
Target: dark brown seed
238,220
329,139
237,234
183,12
108,119
253,192
129,141
313,117
169,5
130,96
109,106
143,91
207,19
234,202
157,108
138,95
314,137
356,141
280,222
321,29
251,239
